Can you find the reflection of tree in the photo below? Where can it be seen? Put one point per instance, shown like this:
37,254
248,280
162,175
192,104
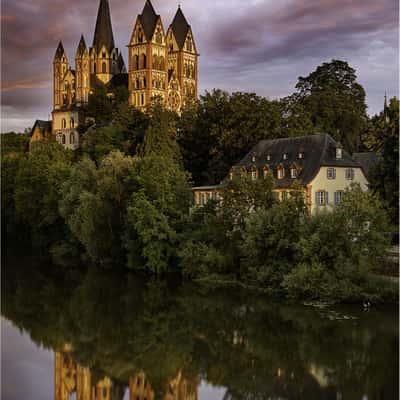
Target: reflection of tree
119,326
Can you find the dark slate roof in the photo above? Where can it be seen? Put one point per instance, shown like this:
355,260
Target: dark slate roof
180,27
366,160
121,64
103,35
60,51
318,150
81,47
44,126
148,19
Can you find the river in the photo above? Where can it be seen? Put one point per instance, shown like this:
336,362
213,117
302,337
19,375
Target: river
91,334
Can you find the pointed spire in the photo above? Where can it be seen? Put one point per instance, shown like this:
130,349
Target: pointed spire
103,35
148,19
180,27
59,52
385,102
81,47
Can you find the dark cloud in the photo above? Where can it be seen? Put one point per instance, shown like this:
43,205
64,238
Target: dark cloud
256,45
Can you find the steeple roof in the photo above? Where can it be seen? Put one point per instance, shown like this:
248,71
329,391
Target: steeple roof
103,35
148,19
59,52
180,27
81,47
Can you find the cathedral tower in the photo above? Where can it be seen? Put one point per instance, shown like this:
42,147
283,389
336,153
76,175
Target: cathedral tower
147,59
60,67
182,61
104,56
82,73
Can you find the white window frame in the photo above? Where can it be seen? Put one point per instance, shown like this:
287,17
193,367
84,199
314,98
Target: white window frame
338,197
293,173
349,174
281,172
322,197
339,153
284,195
331,173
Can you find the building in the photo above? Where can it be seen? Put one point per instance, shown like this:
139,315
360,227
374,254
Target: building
42,130
317,163
160,65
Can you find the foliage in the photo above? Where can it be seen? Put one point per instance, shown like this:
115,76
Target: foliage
335,102
12,142
99,106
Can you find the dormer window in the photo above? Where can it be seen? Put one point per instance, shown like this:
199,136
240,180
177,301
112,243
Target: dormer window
268,157
339,152
231,175
301,156
265,171
284,156
281,172
293,173
253,158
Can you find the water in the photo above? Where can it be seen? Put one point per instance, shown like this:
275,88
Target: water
96,335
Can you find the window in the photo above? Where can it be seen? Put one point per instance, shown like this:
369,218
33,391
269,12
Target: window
331,173
293,173
321,198
72,123
284,156
281,172
63,139
265,172
301,156
142,98
339,152
104,55
104,392
230,176
284,196
349,174
103,68
338,196
72,138
254,175
268,157
63,123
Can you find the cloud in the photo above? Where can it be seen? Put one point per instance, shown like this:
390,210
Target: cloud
256,45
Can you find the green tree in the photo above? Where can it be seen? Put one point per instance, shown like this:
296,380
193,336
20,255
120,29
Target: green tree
335,102
99,107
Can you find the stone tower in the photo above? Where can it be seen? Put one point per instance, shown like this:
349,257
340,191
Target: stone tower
82,65
147,59
182,62
60,67
104,56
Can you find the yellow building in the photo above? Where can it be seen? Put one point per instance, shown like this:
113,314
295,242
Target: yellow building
317,163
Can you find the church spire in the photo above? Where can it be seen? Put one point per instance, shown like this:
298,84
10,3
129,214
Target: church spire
81,47
148,19
180,27
59,52
103,35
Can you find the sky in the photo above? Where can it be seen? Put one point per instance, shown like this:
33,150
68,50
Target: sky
259,46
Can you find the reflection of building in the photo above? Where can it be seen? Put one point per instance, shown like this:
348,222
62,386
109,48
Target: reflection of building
71,378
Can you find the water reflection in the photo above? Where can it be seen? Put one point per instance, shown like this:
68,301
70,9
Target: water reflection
113,333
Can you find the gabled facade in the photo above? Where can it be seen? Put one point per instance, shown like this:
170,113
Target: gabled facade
316,163
162,64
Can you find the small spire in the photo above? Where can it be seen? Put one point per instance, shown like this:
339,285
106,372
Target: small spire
103,35
60,51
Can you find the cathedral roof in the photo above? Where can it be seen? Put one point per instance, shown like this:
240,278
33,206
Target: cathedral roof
148,19
103,35
121,64
44,126
81,47
60,51
180,27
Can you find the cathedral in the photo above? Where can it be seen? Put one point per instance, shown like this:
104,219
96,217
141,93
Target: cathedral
161,64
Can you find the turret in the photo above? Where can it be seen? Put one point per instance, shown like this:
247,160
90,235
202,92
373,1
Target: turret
103,54
60,68
82,65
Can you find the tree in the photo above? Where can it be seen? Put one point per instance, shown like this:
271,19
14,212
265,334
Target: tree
335,101
99,106
38,189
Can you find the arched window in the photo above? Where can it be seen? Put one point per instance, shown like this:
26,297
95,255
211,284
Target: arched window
103,68
135,62
161,63
63,139
72,123
72,138
143,61
155,61
159,36
63,123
